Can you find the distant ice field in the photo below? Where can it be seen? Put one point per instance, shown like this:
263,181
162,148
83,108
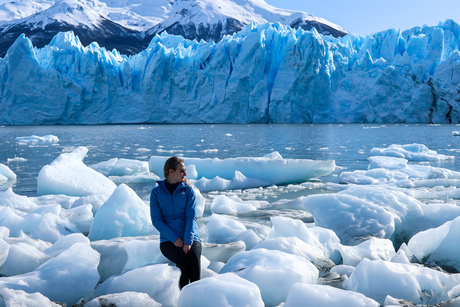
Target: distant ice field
349,145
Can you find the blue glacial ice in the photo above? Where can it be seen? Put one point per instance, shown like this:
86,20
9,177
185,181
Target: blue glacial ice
265,73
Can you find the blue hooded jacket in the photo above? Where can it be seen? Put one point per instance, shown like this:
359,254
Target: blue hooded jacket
174,216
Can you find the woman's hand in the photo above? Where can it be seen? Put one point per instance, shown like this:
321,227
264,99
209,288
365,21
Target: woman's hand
179,242
186,248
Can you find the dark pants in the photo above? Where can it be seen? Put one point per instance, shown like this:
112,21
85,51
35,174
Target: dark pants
189,264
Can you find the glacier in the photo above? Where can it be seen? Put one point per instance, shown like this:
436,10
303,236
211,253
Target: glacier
267,73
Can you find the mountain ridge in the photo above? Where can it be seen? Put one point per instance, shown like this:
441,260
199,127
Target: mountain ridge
129,25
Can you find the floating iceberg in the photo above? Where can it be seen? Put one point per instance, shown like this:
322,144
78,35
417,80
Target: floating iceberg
124,214
68,175
251,171
6,174
36,139
411,152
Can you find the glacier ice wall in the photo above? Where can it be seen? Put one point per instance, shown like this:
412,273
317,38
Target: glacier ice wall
266,73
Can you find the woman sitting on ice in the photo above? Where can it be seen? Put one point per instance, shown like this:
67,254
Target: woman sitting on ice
173,212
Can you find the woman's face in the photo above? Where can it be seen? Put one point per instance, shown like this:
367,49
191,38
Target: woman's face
177,175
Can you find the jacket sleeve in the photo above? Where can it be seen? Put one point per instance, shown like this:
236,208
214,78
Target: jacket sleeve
157,219
191,228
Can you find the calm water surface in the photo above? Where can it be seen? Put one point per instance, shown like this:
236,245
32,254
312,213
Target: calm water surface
348,145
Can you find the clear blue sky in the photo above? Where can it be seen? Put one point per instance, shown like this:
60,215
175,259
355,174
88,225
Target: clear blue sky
364,17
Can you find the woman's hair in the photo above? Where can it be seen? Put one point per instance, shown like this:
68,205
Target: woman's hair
171,163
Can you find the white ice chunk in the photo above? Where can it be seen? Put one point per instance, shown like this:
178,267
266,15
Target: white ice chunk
271,169
63,200
65,243
351,218
12,219
4,251
411,152
123,299
47,226
295,246
377,279
321,238
145,177
372,249
68,175
390,163
128,171
360,212
16,297
404,255
200,202
39,244
95,200
35,139
221,290
43,223
343,270
124,167
113,256
438,245
4,232
7,172
239,181
104,167
230,205
65,278
273,271
12,200
81,217
143,252
22,258
323,295
222,229
418,174
159,281
123,214
373,176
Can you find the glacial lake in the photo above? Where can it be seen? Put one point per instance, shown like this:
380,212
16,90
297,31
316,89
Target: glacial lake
348,144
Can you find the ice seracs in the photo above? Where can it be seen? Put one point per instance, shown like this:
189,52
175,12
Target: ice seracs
290,76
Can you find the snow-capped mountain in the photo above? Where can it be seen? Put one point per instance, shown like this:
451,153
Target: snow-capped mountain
129,25
86,18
